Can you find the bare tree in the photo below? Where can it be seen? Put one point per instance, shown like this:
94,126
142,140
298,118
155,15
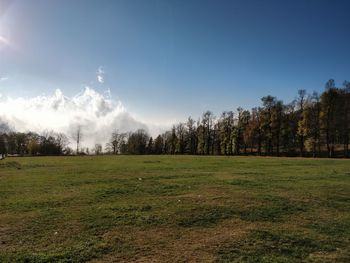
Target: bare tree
98,149
3,139
116,141
62,142
301,105
3,148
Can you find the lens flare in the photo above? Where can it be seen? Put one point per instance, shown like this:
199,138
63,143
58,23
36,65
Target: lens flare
4,42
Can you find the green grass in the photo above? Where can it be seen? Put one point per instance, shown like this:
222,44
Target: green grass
174,209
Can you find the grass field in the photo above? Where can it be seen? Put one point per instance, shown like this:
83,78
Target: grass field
174,209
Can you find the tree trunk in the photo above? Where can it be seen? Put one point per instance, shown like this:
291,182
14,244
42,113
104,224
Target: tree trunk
327,143
302,146
346,148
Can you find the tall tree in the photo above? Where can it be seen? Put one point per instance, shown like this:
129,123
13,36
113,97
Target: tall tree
192,140
207,123
237,133
150,146
268,104
180,130
241,124
328,103
276,123
98,149
342,113
115,142
3,147
173,140
226,125
301,130
311,124
158,145
137,143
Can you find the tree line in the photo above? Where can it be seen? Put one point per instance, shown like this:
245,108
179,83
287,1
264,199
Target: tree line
48,143
316,125
311,125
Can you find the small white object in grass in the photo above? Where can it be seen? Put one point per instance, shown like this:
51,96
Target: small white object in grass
179,200
56,233
140,179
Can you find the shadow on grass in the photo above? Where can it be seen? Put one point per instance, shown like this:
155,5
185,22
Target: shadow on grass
11,164
83,251
274,210
265,246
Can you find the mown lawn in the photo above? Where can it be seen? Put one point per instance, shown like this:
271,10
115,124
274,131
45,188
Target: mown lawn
174,209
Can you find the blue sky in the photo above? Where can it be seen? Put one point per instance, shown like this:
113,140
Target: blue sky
170,59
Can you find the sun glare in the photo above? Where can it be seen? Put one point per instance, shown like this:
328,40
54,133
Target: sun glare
4,41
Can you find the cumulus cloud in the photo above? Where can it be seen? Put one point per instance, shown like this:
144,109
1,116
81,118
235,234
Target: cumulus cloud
97,114
100,75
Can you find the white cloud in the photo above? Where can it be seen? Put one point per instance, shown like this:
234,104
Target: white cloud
100,79
100,75
3,78
97,114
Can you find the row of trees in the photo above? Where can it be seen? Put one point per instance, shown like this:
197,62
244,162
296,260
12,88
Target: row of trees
48,143
311,125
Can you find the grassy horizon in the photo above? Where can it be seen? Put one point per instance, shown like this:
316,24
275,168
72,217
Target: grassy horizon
174,209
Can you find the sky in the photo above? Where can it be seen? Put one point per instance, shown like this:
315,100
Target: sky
164,60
